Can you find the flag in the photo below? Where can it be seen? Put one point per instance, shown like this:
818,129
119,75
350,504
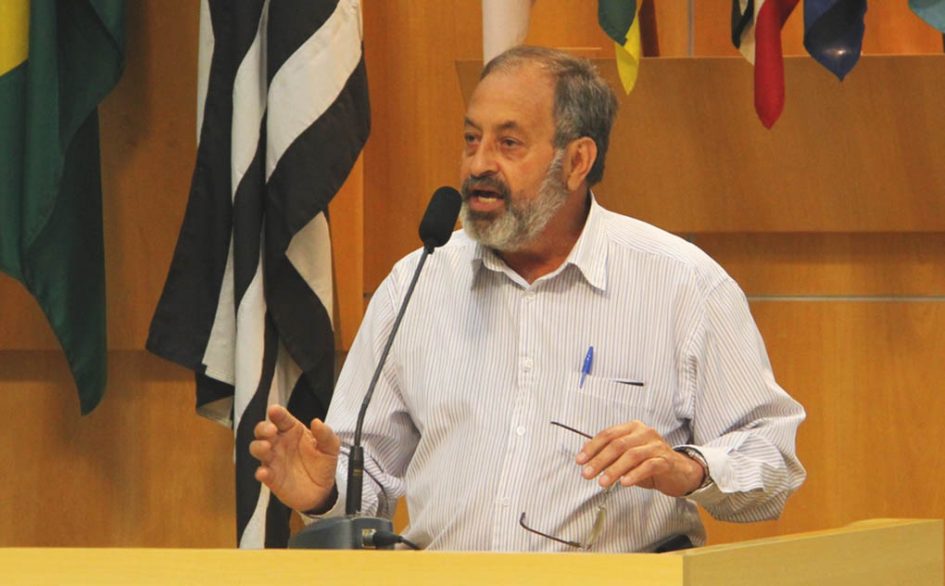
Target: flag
833,33
283,115
931,11
620,20
743,19
58,60
504,25
756,32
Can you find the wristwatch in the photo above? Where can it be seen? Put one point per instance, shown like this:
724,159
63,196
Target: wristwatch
700,459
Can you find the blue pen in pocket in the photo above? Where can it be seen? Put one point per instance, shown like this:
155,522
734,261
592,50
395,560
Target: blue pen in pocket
586,367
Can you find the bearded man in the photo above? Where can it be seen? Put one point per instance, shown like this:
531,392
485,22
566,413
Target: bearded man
559,358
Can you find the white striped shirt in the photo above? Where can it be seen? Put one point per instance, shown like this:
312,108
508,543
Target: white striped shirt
484,361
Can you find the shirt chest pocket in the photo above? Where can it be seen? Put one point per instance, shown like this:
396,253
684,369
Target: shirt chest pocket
599,403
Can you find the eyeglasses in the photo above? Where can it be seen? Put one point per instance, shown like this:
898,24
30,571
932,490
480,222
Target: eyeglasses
600,514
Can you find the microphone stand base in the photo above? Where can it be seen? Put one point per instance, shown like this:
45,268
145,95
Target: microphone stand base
348,532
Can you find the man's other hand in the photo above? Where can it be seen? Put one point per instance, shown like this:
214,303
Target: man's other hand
636,455
297,463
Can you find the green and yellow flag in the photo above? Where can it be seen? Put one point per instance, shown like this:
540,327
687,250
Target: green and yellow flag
620,20
58,59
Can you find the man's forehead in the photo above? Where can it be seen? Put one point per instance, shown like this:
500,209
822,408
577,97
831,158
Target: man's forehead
509,124
512,98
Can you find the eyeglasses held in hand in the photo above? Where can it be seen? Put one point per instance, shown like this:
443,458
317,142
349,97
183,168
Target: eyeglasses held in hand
600,515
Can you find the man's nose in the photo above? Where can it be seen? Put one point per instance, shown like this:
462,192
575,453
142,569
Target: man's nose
483,161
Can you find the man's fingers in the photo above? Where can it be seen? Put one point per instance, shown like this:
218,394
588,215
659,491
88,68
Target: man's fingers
261,450
603,439
630,453
645,471
325,439
265,430
612,451
263,474
634,454
623,464
281,418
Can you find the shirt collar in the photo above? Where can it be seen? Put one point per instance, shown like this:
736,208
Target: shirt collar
589,254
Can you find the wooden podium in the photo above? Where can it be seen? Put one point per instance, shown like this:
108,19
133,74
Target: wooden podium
886,551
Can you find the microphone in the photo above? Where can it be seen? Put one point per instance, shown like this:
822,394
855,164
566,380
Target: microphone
438,221
354,531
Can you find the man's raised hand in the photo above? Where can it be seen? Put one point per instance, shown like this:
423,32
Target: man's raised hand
296,462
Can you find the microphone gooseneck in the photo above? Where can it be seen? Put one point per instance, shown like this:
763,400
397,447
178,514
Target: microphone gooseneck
436,227
355,531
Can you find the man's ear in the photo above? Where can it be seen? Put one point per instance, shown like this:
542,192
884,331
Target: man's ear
579,158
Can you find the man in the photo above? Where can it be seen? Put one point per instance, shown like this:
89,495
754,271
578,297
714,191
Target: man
548,320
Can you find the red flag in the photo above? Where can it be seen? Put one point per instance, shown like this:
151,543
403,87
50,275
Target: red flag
756,31
769,60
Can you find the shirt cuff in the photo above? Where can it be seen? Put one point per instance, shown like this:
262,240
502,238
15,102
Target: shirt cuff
717,471
334,506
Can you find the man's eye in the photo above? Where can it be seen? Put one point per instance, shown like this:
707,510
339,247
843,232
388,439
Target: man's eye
469,138
509,143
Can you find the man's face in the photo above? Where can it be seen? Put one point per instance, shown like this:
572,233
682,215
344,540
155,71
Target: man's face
511,174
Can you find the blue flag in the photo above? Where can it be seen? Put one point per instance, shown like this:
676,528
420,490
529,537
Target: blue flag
931,11
833,33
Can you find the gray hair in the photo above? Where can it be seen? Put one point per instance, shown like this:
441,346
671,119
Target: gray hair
584,103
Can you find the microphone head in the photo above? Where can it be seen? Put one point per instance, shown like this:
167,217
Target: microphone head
438,221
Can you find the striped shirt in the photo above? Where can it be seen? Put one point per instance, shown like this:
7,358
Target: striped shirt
484,361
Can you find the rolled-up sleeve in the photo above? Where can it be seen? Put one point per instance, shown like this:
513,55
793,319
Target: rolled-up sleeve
743,423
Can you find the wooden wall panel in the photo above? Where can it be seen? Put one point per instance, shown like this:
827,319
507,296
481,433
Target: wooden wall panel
844,158
417,111
148,133
869,375
884,265
673,28
892,28
346,215
141,471
566,23
22,323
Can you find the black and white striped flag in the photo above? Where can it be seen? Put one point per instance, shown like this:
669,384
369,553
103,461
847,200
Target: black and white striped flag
282,116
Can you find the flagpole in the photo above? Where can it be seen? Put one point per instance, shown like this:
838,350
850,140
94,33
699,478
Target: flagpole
692,28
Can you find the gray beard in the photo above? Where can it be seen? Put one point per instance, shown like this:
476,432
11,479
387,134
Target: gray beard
522,221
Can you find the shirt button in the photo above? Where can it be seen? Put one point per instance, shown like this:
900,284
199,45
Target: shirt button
520,430
530,294
528,363
504,501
